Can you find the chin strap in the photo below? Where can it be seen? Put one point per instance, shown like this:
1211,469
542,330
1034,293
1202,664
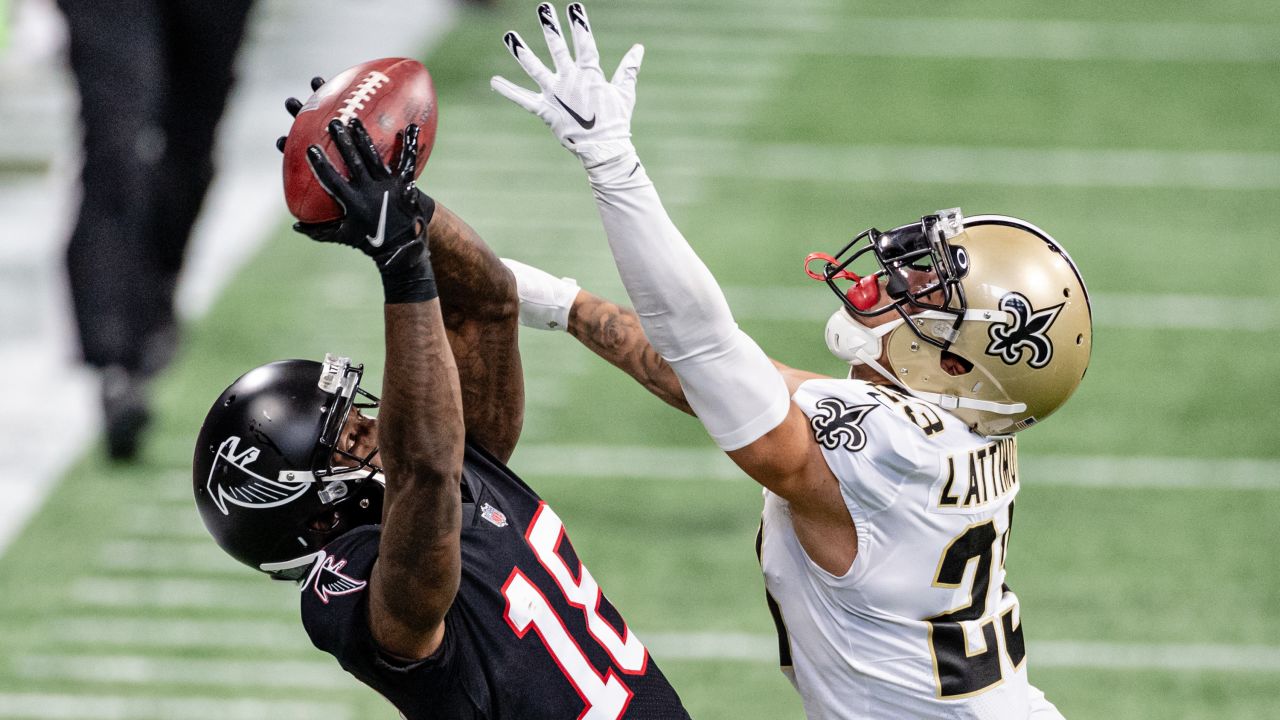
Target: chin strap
857,344
951,402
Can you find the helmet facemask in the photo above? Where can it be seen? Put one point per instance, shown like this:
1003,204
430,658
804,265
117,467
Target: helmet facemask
893,263
343,379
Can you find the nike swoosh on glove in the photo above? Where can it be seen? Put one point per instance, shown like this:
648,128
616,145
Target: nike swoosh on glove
384,216
589,115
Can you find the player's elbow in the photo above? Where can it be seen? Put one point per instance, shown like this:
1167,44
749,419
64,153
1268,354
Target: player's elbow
506,297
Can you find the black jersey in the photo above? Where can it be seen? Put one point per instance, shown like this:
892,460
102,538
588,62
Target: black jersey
529,635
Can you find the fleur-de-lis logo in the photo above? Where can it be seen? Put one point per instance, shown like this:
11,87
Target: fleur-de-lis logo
838,424
1028,333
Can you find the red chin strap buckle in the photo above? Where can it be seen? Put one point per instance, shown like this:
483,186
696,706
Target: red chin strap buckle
863,294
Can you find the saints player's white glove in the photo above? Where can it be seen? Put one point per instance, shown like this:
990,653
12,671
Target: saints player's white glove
589,115
545,300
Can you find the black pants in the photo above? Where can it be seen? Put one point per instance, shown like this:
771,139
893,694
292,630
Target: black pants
153,77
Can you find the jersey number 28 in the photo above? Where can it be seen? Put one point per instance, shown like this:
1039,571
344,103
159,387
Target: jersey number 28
959,672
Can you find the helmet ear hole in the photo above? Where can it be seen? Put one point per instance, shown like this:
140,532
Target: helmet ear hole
954,365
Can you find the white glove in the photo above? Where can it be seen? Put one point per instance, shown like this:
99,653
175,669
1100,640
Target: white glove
589,115
545,300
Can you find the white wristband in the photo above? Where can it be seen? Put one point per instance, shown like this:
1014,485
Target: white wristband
545,300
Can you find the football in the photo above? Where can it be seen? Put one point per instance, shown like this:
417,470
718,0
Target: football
386,95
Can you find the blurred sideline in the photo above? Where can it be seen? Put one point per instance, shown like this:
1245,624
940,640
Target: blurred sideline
51,412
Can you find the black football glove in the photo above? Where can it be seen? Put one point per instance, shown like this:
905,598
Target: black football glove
385,216
293,105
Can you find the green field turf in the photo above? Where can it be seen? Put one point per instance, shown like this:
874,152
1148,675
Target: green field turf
1147,147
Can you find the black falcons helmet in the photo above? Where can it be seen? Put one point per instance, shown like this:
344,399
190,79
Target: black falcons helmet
264,475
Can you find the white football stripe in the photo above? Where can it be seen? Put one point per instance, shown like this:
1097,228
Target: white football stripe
1016,167
995,38
57,706
255,593
674,8
1142,656
198,556
1151,472
650,26
922,164
88,630
319,674
695,646
692,463
1043,654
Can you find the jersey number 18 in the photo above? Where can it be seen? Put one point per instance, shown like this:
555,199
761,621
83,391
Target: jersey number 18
605,695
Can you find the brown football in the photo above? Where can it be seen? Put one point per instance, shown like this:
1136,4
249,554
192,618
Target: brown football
386,95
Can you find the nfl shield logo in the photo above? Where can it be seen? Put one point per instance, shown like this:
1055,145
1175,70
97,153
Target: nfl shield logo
493,515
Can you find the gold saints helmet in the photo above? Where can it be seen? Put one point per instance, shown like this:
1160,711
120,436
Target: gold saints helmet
992,317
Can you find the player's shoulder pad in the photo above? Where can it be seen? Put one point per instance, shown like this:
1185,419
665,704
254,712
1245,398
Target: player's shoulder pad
869,442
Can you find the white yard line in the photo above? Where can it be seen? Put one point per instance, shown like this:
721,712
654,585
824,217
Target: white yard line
1151,472
923,164
644,462
250,593
995,38
56,706
1042,654
1018,167
199,557
674,8
1143,656
96,630
318,674
321,673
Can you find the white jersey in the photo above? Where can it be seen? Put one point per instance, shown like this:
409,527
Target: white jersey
922,625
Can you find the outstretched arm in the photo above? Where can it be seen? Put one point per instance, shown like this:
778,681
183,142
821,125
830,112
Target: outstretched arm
420,437
479,303
609,330
420,425
728,381
614,333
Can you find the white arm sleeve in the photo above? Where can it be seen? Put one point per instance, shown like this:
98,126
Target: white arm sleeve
545,300
729,382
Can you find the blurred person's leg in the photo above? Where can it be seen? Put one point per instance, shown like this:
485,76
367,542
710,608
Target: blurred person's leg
200,44
116,56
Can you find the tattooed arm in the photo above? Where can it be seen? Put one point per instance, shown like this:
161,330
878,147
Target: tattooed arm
480,307
613,332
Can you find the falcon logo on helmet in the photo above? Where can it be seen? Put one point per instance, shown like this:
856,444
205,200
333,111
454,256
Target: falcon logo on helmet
232,481
1028,331
838,425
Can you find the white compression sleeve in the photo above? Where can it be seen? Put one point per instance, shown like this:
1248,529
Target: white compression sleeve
545,300
728,380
